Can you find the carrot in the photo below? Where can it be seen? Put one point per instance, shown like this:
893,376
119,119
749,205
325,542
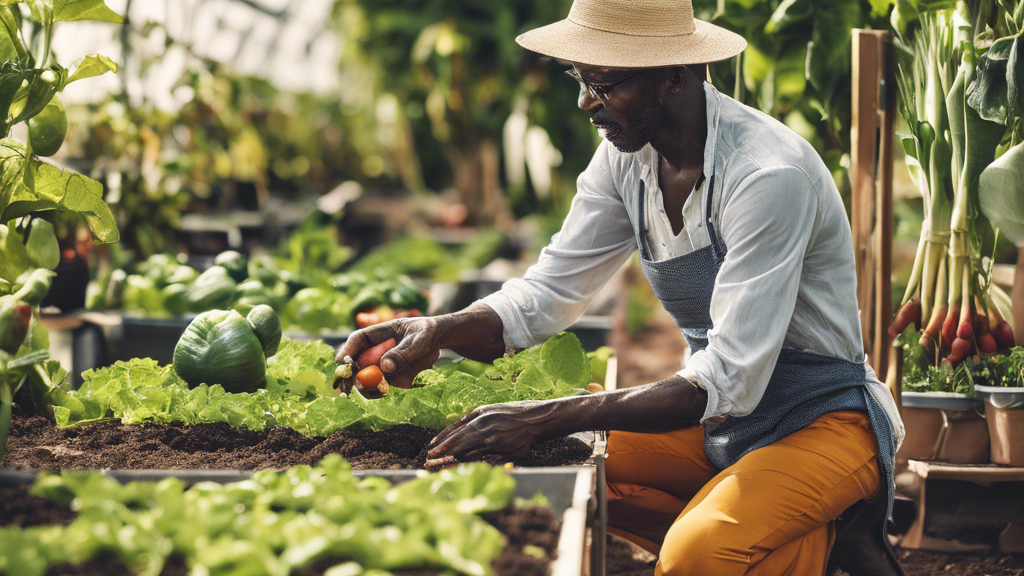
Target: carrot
960,349
1003,335
931,332
950,324
372,356
965,332
907,314
987,344
982,325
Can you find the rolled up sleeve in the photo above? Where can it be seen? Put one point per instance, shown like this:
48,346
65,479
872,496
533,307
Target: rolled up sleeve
766,223
595,240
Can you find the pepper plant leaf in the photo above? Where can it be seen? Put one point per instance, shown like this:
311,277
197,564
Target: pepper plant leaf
53,188
49,11
988,92
92,66
7,49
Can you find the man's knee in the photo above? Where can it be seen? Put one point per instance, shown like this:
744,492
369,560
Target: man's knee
703,547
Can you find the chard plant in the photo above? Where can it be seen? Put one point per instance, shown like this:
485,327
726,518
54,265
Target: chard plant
960,84
31,80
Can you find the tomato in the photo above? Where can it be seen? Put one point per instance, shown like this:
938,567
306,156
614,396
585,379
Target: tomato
46,130
367,319
370,377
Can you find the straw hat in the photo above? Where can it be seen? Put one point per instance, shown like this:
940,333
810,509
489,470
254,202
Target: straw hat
633,34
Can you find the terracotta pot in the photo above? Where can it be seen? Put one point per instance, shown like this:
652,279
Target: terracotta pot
946,428
1006,430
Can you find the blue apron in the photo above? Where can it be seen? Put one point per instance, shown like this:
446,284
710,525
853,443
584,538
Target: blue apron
802,388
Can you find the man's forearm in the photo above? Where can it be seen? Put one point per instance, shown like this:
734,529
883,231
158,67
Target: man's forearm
671,404
476,333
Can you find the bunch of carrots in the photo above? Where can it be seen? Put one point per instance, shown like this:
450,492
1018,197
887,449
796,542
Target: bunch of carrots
949,145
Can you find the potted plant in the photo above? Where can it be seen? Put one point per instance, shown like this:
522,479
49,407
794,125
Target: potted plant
30,82
1004,407
958,84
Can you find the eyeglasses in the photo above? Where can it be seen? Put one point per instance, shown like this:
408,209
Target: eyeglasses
600,91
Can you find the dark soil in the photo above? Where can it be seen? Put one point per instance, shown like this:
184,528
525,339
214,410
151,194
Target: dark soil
35,443
624,559
18,507
523,527
924,563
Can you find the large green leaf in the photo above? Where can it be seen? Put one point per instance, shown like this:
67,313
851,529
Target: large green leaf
48,11
988,92
91,66
56,189
7,49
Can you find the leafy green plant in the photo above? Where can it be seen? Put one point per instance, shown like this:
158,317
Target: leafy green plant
299,392
275,523
797,65
29,84
26,373
452,75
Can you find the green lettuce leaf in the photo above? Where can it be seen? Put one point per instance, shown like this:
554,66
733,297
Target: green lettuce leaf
274,523
300,393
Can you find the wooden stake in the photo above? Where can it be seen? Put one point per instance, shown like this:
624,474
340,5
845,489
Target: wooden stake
871,138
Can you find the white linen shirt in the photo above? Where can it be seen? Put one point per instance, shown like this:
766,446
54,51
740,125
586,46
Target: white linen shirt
787,281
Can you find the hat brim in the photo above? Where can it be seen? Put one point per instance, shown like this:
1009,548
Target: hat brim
566,40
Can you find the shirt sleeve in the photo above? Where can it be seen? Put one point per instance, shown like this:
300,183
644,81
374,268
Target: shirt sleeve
766,223
595,240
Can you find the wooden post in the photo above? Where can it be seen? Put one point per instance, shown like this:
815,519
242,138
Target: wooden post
871,138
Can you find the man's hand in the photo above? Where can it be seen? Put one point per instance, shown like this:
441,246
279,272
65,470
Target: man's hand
475,333
416,350
509,429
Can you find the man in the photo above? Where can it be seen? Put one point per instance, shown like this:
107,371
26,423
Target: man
740,463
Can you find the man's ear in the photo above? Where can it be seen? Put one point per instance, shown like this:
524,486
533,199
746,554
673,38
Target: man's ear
676,77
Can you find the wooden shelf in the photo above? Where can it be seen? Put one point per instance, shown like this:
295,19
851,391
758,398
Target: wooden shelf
978,473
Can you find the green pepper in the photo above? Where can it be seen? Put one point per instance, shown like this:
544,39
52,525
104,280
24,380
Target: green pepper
397,294
212,289
42,247
159,268
234,263
47,130
183,275
221,347
251,294
175,299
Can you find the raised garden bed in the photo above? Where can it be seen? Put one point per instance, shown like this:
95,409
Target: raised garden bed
539,539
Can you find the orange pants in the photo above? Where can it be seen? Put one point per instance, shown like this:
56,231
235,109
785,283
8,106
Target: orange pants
769,514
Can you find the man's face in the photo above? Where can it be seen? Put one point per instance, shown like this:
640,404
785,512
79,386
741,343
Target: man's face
630,114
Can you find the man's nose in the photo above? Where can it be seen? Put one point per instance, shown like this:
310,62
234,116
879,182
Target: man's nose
586,100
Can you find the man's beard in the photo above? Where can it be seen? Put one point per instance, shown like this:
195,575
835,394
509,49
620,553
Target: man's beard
644,127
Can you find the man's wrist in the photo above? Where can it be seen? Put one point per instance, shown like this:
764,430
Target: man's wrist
476,326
